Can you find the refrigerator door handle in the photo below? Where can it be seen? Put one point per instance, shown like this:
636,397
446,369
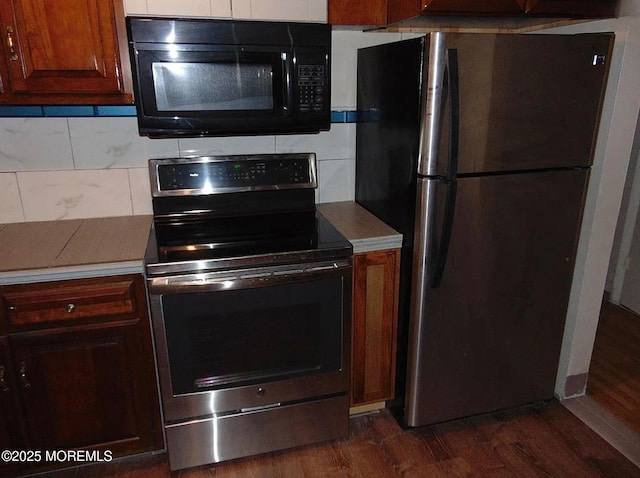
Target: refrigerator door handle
433,72
454,112
435,277
440,73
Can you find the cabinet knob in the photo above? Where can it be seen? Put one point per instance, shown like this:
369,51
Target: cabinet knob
3,383
23,375
12,49
13,308
71,308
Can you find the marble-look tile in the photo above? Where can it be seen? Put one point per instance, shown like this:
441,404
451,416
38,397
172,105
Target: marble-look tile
135,7
344,57
293,10
194,8
318,11
337,143
161,148
241,9
221,8
336,180
140,191
53,195
10,204
227,145
34,144
102,143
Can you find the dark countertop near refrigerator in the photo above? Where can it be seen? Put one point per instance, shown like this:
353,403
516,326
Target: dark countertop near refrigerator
77,248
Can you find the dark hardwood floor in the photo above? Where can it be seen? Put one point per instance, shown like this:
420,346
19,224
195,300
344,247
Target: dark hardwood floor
544,440
614,375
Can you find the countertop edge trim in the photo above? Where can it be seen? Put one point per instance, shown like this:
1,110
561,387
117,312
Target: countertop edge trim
376,243
71,272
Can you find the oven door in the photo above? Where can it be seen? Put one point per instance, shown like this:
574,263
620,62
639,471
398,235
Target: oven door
238,340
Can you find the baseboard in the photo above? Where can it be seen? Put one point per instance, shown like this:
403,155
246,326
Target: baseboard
613,430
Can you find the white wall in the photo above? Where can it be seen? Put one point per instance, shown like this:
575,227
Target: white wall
611,160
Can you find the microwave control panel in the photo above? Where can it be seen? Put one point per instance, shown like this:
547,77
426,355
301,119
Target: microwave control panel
311,87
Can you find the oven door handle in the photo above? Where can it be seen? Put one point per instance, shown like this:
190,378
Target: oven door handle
245,278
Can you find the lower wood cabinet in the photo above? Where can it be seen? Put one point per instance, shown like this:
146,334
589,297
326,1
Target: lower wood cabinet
375,317
83,381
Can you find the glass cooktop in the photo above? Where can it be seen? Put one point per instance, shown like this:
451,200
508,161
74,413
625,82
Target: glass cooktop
240,242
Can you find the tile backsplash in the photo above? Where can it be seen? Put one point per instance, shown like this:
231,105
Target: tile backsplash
75,167
94,167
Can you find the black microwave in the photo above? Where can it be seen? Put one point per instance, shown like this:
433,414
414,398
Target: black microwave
202,77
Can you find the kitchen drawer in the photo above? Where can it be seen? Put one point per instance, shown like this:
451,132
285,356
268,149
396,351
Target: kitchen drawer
69,302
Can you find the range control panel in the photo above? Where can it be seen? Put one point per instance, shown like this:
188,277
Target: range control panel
222,174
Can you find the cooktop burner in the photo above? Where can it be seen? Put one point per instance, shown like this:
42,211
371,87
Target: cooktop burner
237,211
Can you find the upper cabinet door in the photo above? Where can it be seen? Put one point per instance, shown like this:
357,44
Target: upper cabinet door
401,9
64,52
576,8
357,12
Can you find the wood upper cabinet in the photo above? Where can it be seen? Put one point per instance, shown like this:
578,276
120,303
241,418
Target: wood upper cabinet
401,9
375,318
357,12
78,360
64,52
574,8
383,12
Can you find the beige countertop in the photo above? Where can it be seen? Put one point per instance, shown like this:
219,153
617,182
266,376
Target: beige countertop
40,251
364,230
77,248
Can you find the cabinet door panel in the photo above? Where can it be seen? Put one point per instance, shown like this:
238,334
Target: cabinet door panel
374,326
497,7
11,429
83,388
63,48
401,9
357,12
11,433
578,8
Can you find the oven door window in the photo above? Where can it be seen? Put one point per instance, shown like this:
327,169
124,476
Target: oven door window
240,337
204,82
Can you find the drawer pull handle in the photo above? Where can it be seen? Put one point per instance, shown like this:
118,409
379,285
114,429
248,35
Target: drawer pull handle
12,49
3,382
71,308
23,375
13,308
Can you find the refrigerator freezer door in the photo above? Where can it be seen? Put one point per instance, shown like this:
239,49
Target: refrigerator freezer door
529,101
489,336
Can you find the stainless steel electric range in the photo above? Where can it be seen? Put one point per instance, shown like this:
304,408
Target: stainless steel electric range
250,297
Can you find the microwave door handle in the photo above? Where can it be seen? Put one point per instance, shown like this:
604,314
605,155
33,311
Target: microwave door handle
287,83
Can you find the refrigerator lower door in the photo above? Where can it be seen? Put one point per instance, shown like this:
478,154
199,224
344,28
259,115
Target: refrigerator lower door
489,336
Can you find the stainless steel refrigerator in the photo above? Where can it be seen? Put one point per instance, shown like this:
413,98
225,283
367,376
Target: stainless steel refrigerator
477,147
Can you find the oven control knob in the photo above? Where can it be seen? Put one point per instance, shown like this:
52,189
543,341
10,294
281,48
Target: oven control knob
261,391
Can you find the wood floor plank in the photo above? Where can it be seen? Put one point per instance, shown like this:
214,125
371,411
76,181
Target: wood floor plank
614,375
